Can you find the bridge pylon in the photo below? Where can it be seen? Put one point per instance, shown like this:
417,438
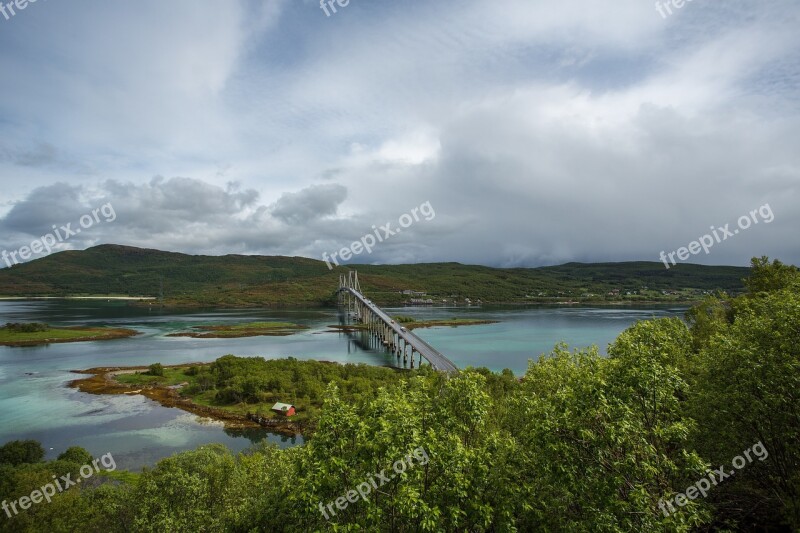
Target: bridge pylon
396,338
347,284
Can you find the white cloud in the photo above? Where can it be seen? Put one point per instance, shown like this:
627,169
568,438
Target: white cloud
541,131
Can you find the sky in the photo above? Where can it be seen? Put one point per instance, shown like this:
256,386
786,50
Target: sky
536,132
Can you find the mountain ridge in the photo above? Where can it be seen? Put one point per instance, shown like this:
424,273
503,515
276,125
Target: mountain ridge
254,280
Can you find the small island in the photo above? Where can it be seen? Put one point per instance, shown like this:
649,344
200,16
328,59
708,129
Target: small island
412,323
252,329
36,334
241,392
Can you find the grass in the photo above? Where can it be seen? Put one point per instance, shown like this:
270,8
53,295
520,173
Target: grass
452,322
172,376
252,329
11,337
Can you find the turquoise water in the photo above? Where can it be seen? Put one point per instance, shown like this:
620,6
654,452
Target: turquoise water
35,402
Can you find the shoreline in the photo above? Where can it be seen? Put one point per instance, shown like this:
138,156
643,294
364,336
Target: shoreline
101,381
121,298
239,331
107,334
326,305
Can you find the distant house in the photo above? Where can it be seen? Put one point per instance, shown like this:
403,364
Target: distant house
284,409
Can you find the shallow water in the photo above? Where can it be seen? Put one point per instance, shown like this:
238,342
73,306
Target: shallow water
35,402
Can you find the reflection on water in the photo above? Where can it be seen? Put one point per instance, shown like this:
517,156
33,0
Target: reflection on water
35,402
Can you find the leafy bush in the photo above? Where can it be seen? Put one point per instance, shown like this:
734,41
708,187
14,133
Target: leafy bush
21,452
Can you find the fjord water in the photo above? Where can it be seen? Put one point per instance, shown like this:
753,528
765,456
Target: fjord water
35,402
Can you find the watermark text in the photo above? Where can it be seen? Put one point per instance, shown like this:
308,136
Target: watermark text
46,492
370,240
718,235
44,245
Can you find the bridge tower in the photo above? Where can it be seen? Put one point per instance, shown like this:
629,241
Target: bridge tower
346,297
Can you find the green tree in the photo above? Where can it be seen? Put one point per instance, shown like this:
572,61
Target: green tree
708,318
601,440
749,378
770,277
185,492
77,455
21,452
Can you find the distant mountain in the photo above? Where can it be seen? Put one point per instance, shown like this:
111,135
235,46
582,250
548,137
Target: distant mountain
243,281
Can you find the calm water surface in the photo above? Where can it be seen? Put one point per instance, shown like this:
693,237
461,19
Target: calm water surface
35,402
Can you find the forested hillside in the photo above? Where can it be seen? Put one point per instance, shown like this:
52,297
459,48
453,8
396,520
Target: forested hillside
236,280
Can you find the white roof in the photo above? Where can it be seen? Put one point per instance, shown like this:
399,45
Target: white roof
282,407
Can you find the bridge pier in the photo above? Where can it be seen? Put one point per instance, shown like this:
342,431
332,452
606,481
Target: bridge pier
378,330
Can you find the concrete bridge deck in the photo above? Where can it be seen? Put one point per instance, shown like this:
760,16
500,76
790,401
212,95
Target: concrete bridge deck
394,335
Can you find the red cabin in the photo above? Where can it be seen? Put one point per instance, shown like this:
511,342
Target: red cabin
284,409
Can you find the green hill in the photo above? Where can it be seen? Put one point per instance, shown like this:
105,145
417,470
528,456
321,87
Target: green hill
236,280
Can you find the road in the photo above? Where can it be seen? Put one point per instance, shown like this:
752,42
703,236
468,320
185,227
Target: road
431,354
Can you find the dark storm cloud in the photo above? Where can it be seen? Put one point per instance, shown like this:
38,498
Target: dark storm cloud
310,203
179,214
44,207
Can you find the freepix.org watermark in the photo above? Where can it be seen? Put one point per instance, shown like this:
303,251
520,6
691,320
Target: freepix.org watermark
665,9
702,487
59,484
325,5
719,234
375,482
44,245
370,240
10,9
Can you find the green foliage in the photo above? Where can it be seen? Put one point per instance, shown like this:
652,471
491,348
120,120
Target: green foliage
600,445
19,452
748,393
155,369
707,318
233,380
766,277
68,510
77,455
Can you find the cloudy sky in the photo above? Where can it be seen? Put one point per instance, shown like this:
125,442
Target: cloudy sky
540,131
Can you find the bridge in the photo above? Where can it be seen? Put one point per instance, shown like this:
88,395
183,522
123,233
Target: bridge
394,336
